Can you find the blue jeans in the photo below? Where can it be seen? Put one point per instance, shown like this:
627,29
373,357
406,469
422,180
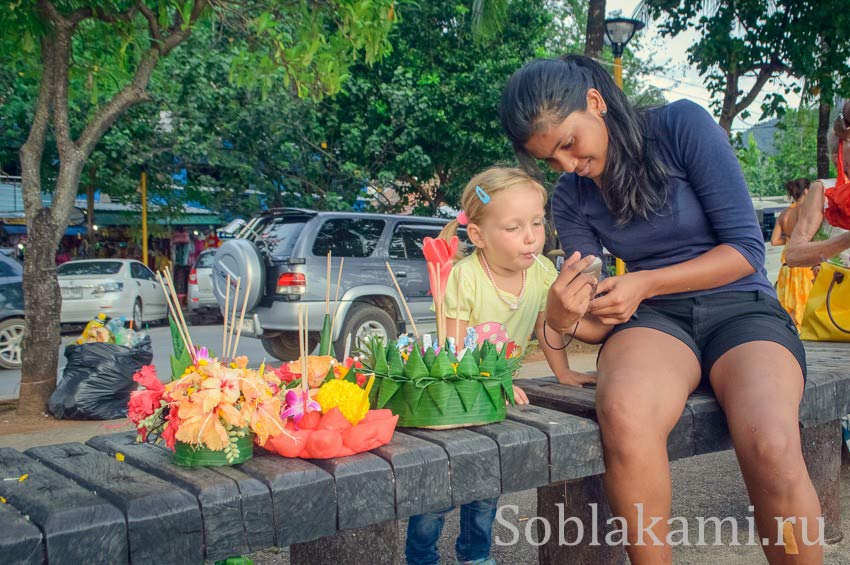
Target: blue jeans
473,543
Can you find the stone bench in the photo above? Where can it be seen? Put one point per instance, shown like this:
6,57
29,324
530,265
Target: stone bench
112,500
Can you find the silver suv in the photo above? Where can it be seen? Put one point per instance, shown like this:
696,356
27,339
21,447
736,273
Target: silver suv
285,252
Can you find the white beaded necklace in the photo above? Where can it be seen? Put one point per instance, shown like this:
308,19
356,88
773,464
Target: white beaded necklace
499,292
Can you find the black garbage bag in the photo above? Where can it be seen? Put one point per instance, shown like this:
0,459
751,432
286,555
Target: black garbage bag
98,380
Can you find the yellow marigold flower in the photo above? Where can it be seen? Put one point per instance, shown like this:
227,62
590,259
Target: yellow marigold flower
346,396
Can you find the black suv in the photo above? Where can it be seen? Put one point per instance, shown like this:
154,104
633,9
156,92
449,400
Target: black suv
285,251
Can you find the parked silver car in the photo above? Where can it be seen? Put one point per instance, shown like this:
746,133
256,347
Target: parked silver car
116,287
11,311
285,253
201,300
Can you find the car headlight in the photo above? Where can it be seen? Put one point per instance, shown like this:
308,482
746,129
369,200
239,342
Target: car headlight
109,287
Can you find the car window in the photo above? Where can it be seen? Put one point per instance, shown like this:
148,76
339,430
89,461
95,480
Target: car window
9,267
144,272
407,241
348,237
90,268
205,259
279,236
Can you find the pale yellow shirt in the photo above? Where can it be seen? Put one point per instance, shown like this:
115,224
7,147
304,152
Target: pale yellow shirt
479,302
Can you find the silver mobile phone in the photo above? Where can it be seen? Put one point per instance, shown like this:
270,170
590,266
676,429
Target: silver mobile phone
594,269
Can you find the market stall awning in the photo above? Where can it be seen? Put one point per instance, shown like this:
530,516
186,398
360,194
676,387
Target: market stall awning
22,230
132,219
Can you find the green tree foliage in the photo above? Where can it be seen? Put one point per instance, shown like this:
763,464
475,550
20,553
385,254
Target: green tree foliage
93,61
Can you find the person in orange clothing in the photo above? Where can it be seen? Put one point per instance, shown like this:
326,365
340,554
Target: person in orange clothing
794,283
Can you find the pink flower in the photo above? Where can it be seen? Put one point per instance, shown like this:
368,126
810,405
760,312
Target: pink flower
146,376
145,401
296,406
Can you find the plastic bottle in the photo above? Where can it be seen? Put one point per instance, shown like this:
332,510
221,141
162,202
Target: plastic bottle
98,321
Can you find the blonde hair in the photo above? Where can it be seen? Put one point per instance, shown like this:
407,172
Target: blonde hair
493,181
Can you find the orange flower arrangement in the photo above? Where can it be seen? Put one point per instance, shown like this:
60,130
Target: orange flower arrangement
210,406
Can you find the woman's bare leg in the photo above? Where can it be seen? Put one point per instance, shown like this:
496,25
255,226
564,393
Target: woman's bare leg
759,385
644,379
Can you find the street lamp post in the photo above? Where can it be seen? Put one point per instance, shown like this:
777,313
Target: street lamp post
619,31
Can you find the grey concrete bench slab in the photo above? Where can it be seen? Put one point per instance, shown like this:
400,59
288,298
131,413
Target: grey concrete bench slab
303,497
236,508
421,472
575,445
163,521
523,454
364,489
21,543
77,526
473,460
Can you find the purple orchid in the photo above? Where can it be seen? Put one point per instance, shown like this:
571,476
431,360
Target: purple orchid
296,407
202,353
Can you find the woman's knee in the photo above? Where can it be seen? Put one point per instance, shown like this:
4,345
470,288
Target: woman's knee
772,456
628,422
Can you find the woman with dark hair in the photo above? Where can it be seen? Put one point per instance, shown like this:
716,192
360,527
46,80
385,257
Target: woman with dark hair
661,188
793,284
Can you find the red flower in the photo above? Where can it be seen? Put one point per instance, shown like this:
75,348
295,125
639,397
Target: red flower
145,401
285,375
146,376
170,431
361,379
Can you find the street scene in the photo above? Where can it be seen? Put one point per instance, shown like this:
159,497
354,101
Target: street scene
382,282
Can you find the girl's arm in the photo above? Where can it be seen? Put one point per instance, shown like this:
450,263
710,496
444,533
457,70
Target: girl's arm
557,358
801,250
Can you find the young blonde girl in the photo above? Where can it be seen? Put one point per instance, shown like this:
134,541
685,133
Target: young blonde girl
504,280
500,282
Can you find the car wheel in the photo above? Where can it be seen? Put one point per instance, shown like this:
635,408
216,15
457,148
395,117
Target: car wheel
363,322
137,315
284,347
11,336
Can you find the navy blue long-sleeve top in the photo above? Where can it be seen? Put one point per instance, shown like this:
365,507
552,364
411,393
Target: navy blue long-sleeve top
708,204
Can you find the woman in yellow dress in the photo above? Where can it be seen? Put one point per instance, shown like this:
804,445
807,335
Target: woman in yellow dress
794,283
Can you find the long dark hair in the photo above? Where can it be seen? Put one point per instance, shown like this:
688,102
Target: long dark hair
545,91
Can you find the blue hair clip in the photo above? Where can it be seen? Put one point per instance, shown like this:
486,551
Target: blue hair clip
483,196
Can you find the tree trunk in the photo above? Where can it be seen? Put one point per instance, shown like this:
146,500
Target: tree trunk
823,127
595,30
40,355
90,211
730,95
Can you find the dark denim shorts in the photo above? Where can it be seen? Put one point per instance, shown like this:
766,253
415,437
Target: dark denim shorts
712,324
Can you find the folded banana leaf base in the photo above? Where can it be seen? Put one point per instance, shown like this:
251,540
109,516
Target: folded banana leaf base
436,391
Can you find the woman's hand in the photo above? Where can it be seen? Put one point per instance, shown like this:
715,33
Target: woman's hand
570,294
622,296
574,378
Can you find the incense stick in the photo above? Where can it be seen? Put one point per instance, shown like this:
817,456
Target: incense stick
403,301
180,313
336,296
457,309
226,310
242,315
328,286
173,315
233,319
